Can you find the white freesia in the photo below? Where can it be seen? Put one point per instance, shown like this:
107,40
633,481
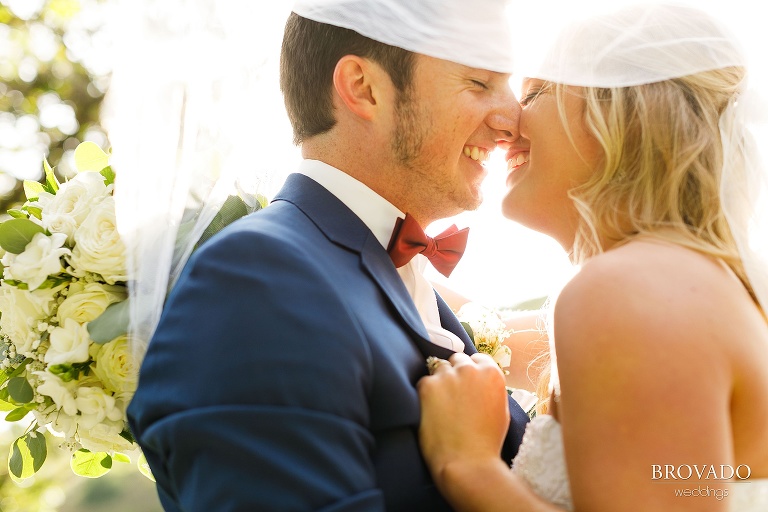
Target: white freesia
62,393
66,211
69,343
116,367
86,302
58,422
21,311
98,246
40,259
105,437
96,406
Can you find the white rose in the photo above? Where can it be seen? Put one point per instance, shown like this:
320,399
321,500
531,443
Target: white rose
96,406
41,258
62,393
66,211
85,303
23,309
68,344
116,367
98,246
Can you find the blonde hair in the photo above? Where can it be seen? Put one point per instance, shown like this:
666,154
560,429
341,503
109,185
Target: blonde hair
660,170
661,165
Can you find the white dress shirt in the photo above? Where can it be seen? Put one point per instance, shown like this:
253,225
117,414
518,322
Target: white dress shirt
380,216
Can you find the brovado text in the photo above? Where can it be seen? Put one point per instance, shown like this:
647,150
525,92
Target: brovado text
700,471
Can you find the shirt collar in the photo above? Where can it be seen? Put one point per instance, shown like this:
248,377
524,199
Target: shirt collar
376,212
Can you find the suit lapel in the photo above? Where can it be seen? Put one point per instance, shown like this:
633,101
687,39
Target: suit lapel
343,227
449,321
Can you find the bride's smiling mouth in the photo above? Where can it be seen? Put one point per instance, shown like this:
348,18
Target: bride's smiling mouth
517,159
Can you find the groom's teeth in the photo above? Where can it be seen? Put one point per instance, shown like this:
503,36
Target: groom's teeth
476,153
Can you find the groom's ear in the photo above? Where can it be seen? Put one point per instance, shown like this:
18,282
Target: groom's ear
361,85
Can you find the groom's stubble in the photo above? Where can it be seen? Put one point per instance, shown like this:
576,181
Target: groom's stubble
418,173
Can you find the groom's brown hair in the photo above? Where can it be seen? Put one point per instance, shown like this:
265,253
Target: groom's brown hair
309,55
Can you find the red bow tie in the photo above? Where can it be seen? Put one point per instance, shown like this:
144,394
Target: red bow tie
444,250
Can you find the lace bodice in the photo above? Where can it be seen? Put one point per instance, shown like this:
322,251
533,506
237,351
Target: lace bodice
541,463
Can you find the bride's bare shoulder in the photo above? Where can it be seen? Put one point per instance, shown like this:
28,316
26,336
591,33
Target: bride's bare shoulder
653,271
650,288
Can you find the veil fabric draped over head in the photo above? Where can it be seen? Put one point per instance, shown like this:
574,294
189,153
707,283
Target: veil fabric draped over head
194,106
194,115
648,42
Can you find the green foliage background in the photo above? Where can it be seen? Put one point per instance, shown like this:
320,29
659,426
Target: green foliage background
53,66
54,72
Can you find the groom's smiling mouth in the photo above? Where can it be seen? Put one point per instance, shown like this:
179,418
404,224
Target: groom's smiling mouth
476,153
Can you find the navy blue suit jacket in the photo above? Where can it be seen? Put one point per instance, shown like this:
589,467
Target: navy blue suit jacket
282,374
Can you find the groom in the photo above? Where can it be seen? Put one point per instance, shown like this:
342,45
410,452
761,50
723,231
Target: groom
282,374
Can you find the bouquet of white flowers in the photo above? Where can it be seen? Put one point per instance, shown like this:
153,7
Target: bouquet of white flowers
61,360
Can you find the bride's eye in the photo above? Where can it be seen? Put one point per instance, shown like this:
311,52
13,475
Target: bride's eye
528,97
534,92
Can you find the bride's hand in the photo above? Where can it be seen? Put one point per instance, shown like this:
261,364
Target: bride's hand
464,412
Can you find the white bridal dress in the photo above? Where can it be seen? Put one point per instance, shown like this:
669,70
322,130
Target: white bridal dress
541,463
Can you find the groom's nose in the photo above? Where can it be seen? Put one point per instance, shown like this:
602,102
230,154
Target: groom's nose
505,119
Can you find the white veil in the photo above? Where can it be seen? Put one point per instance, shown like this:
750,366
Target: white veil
194,115
646,42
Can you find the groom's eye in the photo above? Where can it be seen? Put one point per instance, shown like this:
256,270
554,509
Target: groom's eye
480,84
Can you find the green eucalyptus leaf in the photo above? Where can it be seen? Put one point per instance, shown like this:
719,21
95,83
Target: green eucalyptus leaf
32,189
109,175
17,214
20,390
127,435
7,406
15,234
20,369
113,322
90,157
51,183
90,464
19,413
232,209
121,457
28,453
469,330
34,211
144,468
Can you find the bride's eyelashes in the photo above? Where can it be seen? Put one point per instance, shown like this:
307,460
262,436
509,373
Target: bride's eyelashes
532,93
530,96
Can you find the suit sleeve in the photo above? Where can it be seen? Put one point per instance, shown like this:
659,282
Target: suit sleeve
239,405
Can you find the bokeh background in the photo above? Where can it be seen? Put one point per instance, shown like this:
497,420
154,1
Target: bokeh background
56,64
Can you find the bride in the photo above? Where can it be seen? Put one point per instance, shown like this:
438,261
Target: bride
637,154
